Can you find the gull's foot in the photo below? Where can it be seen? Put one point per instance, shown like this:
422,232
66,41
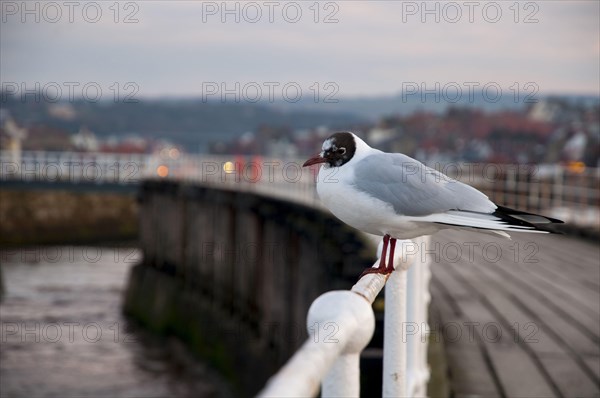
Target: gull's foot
383,269
376,270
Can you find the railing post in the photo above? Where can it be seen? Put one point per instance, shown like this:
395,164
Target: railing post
394,356
395,342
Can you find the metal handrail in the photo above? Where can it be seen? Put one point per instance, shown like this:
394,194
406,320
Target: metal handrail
334,364
555,192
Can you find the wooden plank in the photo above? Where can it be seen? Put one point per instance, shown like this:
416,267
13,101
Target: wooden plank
518,374
577,293
556,300
469,373
543,310
517,371
579,254
441,301
552,259
576,264
459,292
567,279
581,304
454,328
594,363
558,362
523,328
469,376
571,384
578,327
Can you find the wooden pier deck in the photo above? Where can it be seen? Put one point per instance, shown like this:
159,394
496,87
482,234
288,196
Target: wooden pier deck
518,318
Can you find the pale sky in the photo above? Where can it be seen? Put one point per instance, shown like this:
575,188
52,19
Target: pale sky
370,48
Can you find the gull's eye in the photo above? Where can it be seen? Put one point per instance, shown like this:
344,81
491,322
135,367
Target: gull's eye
341,151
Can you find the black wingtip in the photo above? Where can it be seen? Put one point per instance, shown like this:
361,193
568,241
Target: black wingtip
522,218
514,212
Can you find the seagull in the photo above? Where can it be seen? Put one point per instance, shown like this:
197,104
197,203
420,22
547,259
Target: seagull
397,197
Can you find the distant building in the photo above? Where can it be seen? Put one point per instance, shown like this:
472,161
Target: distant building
13,137
575,146
63,111
131,144
545,111
85,140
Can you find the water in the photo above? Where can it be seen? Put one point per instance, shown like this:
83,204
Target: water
63,334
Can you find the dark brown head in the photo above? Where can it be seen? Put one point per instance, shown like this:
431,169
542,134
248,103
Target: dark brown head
338,149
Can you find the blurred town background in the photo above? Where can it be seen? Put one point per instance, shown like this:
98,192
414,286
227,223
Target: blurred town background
549,130
133,207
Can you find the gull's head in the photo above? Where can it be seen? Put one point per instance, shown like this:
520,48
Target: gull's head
337,150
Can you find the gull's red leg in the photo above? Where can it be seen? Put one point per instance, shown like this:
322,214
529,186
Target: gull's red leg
381,268
390,264
386,240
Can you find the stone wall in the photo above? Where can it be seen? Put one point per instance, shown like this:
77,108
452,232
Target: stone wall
32,217
233,274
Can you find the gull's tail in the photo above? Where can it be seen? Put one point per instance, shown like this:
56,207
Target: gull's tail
523,219
502,219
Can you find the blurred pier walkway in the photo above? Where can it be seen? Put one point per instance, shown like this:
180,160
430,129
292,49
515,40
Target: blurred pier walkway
519,318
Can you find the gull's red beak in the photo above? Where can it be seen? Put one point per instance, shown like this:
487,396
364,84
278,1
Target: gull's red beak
314,160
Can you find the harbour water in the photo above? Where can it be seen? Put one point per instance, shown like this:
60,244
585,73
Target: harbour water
63,333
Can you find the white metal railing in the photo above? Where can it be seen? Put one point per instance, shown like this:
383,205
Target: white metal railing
48,166
551,189
333,364
564,192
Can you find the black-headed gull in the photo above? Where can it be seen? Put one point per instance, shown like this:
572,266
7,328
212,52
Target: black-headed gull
397,197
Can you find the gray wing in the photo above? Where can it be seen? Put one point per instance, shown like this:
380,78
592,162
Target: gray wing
414,189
